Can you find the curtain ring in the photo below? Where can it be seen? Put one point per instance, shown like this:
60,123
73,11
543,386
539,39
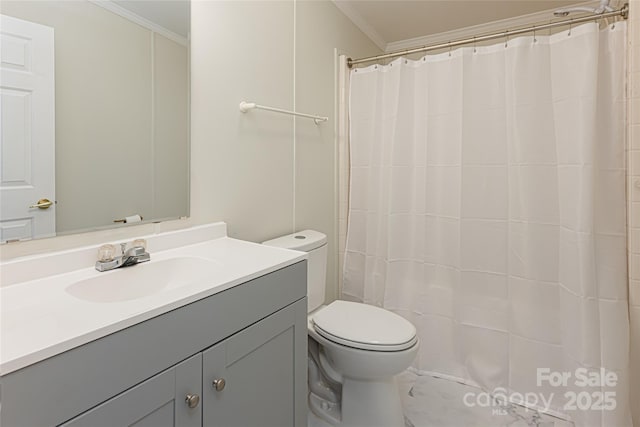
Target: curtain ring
474,45
535,40
506,39
449,43
570,22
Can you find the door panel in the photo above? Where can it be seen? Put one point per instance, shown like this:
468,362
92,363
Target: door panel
149,399
188,382
27,144
158,401
257,365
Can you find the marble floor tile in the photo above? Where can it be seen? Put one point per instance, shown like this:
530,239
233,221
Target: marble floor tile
435,402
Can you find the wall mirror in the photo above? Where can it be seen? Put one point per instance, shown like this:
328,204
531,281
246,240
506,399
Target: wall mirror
95,115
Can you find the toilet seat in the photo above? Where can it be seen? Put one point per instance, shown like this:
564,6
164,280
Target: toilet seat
364,327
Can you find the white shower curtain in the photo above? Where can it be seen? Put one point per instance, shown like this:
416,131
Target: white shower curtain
487,206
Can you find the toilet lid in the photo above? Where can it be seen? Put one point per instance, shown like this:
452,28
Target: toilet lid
364,326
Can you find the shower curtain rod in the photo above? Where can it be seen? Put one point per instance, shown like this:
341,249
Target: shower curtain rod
623,12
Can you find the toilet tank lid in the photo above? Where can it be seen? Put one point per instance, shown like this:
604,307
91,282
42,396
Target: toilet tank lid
304,241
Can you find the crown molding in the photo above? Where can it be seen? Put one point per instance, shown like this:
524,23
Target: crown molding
361,23
475,30
125,13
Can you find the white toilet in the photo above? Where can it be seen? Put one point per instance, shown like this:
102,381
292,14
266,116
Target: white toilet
354,349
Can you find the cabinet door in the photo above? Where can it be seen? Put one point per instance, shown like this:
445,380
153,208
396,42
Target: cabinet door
157,402
264,372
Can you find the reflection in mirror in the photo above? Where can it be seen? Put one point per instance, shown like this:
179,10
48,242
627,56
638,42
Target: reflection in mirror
95,115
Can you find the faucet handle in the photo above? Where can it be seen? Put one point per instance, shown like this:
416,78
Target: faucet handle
106,253
140,243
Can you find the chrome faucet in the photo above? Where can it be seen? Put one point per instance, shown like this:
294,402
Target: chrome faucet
132,256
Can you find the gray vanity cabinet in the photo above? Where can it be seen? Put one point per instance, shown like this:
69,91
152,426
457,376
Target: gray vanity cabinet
249,381
253,336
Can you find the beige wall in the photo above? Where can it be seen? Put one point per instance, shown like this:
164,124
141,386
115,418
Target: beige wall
242,164
111,124
263,173
320,27
253,170
633,191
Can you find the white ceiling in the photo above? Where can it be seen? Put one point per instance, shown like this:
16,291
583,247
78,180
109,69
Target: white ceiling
392,22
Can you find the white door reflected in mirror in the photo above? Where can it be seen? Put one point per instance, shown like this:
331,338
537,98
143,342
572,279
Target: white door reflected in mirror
121,118
27,168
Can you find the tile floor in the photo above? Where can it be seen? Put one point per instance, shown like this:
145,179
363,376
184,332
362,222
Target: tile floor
435,402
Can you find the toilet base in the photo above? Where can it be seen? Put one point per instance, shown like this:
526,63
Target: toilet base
324,409
315,421
364,404
371,403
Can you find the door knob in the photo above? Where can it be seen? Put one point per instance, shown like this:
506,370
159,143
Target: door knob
219,384
192,400
42,204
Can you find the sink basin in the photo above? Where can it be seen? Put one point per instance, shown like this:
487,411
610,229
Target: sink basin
143,280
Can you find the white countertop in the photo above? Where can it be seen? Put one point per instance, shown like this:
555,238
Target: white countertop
40,319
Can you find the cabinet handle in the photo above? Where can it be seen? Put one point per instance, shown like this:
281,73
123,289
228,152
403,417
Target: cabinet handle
219,384
192,400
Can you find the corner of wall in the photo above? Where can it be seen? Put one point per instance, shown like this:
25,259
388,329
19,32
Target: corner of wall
633,191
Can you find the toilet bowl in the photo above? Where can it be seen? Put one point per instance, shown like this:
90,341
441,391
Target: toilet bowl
355,349
362,362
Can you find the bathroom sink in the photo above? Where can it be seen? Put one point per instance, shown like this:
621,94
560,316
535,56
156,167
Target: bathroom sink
143,280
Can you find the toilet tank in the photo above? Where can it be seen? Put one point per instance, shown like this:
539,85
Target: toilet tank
315,244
